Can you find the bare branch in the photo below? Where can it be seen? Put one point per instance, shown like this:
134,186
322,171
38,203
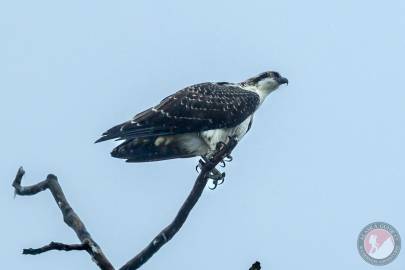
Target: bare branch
56,246
255,266
89,245
167,233
69,216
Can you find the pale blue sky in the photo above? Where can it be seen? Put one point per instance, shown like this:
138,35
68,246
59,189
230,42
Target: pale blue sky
324,158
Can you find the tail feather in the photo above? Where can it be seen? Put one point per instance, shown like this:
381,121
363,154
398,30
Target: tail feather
129,131
145,150
126,130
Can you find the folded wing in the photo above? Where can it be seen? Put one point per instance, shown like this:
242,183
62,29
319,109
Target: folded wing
195,108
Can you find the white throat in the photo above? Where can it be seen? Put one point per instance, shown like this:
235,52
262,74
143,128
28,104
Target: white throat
262,90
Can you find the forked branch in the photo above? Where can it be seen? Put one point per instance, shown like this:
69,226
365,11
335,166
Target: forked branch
69,216
87,242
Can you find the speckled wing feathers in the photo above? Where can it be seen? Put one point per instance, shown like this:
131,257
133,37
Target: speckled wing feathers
195,108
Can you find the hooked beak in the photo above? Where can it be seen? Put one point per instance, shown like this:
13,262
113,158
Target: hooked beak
282,80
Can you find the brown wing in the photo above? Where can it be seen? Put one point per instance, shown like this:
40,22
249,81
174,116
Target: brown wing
195,108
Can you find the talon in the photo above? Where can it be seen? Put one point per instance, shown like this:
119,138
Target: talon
218,181
222,180
228,158
214,187
198,167
222,164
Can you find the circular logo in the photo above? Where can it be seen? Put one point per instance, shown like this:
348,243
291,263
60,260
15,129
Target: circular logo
379,243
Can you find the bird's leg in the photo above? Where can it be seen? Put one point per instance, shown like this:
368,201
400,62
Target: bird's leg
228,158
220,145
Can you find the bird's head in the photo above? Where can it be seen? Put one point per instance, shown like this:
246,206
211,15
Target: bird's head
265,82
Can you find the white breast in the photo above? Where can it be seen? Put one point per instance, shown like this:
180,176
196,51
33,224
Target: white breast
214,136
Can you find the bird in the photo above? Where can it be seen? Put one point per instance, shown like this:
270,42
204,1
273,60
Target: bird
193,121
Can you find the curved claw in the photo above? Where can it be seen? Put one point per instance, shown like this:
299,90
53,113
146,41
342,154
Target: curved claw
214,187
218,181
222,164
197,168
228,158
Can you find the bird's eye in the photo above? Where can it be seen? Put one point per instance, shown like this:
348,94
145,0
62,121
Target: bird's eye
276,74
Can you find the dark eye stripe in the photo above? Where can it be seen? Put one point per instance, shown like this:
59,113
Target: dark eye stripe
276,74
260,77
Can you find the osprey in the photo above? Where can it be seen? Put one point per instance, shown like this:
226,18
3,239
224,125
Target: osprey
192,121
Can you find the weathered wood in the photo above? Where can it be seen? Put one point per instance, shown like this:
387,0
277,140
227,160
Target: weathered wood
69,215
255,266
56,246
87,242
167,233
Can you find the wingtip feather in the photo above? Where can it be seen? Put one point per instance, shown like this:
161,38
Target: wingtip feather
102,139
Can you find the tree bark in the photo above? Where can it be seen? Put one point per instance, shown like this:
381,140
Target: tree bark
89,245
